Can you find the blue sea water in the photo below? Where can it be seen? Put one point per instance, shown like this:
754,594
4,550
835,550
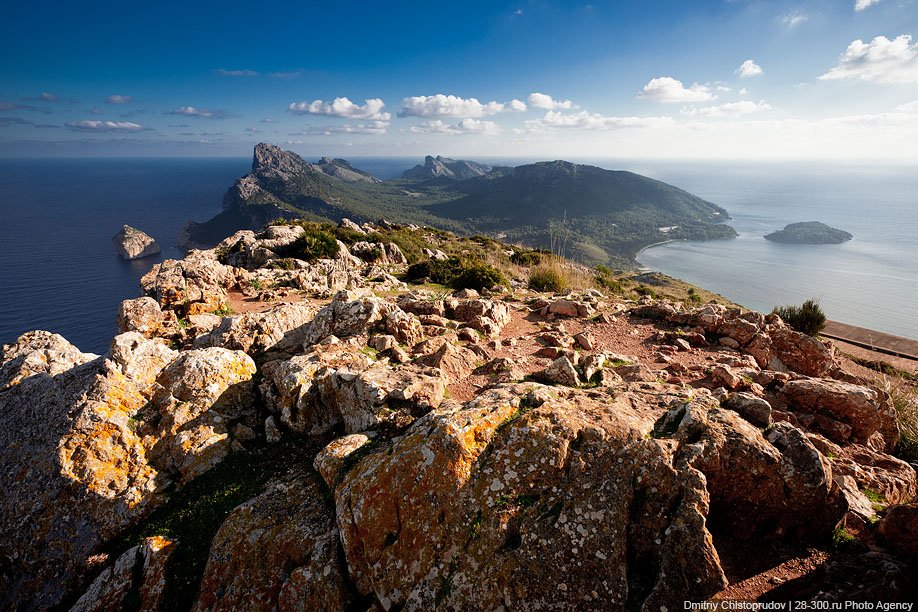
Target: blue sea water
870,281
58,270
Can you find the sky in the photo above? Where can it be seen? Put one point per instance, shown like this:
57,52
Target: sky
657,79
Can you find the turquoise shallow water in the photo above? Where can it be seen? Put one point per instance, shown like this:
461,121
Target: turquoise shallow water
870,281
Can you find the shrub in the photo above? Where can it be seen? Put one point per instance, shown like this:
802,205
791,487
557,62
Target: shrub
315,243
548,277
605,279
478,276
526,258
807,318
456,273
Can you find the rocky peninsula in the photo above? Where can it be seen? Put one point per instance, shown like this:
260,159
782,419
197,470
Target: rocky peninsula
131,243
284,423
809,232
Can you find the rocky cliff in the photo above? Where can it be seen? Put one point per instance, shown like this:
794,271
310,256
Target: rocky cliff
444,167
268,432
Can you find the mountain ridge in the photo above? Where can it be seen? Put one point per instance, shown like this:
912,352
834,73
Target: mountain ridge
601,216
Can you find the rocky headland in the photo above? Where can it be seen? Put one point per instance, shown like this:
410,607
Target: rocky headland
131,243
809,232
272,429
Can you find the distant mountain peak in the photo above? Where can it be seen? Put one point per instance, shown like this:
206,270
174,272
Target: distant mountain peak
270,159
445,167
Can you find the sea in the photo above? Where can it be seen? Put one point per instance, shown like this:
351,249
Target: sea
59,272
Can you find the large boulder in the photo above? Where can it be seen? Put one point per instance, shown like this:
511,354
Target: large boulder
859,410
131,243
348,314
192,285
277,551
525,497
899,529
262,331
141,315
38,352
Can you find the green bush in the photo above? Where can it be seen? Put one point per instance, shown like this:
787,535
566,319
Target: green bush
807,318
548,277
526,258
456,273
315,243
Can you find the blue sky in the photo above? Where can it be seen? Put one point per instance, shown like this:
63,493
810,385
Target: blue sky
822,79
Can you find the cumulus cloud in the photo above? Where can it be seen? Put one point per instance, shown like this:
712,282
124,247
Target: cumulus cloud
373,127
749,69
668,89
236,73
860,5
105,126
191,111
911,107
879,61
466,126
516,105
729,109
793,19
594,121
540,100
441,105
342,107
117,99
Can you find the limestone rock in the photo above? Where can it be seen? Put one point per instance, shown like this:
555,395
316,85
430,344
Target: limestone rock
141,315
330,461
131,243
347,315
754,409
561,372
862,409
192,285
259,332
279,550
456,512
139,572
38,352
899,529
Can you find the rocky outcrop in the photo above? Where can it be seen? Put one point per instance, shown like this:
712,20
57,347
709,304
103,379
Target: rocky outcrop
280,550
453,514
656,441
131,243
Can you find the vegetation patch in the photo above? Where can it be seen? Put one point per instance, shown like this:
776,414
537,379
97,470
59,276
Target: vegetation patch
807,318
316,242
193,515
549,276
457,273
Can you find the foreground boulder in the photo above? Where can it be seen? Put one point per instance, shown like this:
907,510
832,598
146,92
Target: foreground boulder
455,512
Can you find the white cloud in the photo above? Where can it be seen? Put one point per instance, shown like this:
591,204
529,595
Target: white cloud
793,19
236,73
749,69
516,105
116,99
744,92
466,126
540,100
106,126
860,5
594,121
342,107
879,61
668,89
729,109
48,97
441,105
191,111
373,127
911,107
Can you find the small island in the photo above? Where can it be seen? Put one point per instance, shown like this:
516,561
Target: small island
809,232
131,243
